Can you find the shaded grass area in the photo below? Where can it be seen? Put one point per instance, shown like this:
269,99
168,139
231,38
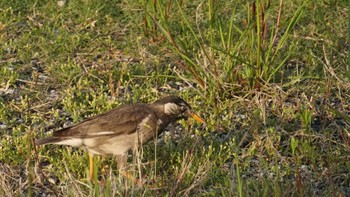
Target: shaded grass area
274,126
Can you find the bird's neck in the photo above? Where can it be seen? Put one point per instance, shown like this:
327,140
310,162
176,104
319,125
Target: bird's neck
164,119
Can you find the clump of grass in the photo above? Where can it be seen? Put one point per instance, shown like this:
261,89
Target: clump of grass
226,53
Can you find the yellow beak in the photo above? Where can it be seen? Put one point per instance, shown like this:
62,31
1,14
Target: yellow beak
196,117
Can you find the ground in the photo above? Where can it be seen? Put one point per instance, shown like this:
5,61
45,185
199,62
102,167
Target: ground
271,79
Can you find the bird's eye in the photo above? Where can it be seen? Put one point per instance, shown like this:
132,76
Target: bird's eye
182,108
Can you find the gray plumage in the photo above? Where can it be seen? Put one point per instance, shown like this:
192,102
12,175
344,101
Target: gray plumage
121,129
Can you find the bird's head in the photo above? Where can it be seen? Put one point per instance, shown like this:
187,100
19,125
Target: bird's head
175,106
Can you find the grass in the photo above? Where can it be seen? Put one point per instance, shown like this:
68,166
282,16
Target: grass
271,79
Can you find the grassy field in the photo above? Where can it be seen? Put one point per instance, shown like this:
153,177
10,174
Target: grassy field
271,78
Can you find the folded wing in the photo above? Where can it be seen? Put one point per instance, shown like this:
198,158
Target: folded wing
120,121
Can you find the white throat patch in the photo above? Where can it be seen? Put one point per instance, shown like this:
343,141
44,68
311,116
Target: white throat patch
171,108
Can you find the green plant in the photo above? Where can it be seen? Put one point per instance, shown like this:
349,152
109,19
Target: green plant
226,53
306,118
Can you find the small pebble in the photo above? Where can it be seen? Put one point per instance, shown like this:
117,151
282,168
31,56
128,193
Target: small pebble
61,3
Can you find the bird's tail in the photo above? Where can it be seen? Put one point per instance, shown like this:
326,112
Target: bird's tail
48,140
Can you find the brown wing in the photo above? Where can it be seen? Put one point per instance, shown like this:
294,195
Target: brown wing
123,120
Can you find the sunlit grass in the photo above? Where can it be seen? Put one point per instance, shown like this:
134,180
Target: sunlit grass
270,80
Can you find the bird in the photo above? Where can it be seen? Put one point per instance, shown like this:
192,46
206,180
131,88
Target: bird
119,130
